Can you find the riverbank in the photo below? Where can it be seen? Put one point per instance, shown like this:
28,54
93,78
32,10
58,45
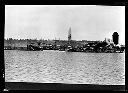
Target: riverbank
73,46
25,49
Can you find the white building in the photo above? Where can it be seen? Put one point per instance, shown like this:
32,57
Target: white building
108,41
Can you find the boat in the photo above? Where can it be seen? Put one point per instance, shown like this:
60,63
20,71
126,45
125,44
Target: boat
70,49
33,47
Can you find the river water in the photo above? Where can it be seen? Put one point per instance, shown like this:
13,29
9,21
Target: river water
50,66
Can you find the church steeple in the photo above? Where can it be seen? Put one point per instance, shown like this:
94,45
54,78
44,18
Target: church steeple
69,34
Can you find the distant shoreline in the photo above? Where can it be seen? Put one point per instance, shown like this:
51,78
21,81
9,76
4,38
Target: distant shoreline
70,46
63,51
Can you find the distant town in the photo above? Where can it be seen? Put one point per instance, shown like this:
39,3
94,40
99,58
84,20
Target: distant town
106,46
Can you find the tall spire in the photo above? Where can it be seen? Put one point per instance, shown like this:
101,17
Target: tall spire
69,34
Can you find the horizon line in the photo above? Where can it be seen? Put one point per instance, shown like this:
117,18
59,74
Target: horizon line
46,39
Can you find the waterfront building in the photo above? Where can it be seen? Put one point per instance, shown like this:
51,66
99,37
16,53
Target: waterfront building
108,41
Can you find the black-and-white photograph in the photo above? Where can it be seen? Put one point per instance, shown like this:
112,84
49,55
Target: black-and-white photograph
64,44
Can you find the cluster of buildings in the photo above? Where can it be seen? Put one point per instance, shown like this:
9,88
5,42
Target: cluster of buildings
107,45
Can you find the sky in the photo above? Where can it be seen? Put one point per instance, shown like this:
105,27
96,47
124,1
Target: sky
87,22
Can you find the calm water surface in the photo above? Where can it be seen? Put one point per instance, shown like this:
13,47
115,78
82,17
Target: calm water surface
64,67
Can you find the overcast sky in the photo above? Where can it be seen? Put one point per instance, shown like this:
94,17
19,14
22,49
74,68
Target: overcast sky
51,21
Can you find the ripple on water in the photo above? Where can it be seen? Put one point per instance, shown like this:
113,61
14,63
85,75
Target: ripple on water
55,66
